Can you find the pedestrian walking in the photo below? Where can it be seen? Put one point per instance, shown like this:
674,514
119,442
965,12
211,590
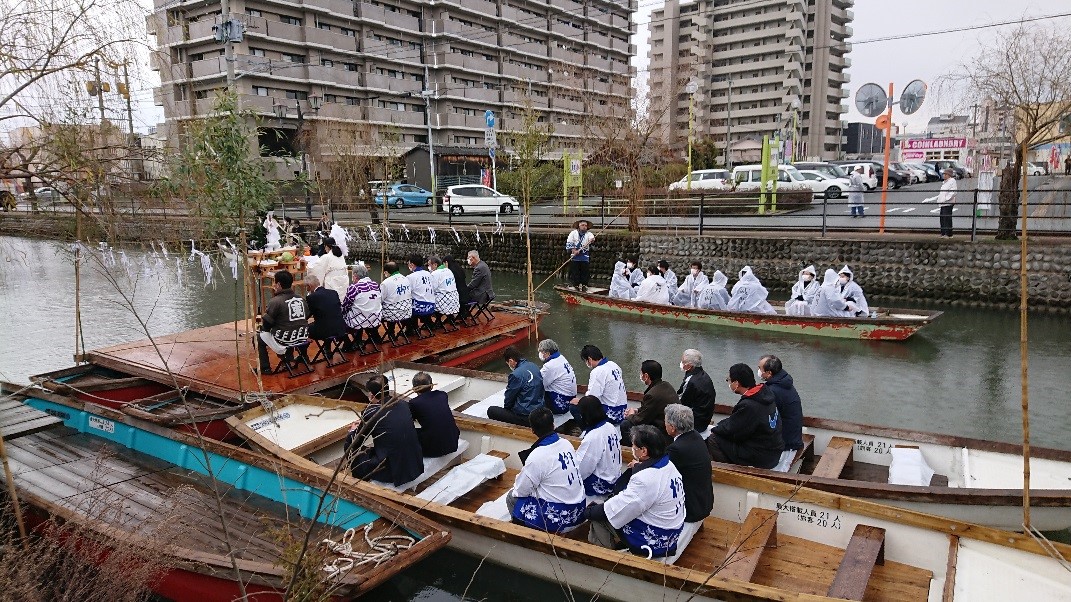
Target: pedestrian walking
947,198
855,192
1067,165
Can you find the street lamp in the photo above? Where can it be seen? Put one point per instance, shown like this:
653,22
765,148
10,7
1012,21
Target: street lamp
691,89
280,112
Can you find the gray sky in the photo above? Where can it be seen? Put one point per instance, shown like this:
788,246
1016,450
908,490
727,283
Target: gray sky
926,58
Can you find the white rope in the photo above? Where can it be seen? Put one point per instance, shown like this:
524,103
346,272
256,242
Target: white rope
380,549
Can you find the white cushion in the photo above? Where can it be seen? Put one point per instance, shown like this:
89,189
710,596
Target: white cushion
463,479
495,509
909,467
431,466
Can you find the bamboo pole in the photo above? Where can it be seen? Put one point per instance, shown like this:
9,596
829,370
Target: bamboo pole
1023,358
14,497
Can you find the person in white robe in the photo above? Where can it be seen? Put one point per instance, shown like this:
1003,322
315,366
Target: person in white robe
635,275
272,232
397,298
559,379
548,494
749,295
447,300
331,269
694,283
606,382
852,293
599,454
668,274
653,288
827,302
647,513
803,292
620,288
340,235
714,295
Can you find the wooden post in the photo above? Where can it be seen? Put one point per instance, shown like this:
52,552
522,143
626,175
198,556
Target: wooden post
14,497
885,124
1023,359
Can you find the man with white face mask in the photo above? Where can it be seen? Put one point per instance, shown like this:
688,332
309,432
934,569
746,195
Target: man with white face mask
803,291
827,302
697,390
668,274
619,282
635,274
688,293
559,380
852,293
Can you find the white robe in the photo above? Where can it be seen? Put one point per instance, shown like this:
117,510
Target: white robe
620,288
339,235
559,382
688,293
714,295
671,279
635,278
447,301
801,307
607,384
423,291
272,235
332,273
549,487
653,289
749,295
827,302
650,510
599,459
397,298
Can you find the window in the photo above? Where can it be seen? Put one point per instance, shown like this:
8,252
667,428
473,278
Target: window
198,56
330,98
293,58
297,95
327,62
252,12
290,20
420,138
349,32
256,51
201,94
392,105
260,91
353,100
350,66
324,26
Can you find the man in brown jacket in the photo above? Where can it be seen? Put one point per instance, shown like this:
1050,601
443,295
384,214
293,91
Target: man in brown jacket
656,397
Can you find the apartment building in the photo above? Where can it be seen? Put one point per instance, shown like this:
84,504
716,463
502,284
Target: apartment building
366,62
759,67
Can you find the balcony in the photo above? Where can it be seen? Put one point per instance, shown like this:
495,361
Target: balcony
565,129
202,29
482,7
621,22
598,63
176,34
481,94
468,63
158,96
571,7
209,67
341,7
599,39
457,120
399,117
261,104
566,56
283,31
338,110
394,84
620,45
522,72
566,104
396,19
334,76
330,39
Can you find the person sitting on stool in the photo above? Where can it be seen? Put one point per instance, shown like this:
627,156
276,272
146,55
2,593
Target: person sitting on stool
284,321
524,390
325,312
395,455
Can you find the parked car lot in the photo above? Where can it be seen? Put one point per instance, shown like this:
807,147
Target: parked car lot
474,198
831,188
870,174
704,179
403,195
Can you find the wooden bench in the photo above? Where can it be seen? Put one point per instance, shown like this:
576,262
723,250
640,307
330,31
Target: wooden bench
837,456
758,531
865,550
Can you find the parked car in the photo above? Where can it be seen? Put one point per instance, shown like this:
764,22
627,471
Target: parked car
748,178
46,195
831,188
1037,168
896,178
917,175
931,173
958,170
403,195
828,170
870,179
474,198
704,179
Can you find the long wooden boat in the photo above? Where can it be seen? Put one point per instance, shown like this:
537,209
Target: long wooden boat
105,459
974,480
764,540
889,325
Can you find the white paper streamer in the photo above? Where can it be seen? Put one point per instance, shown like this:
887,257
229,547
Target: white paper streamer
372,234
456,235
178,271
431,234
163,249
477,232
406,230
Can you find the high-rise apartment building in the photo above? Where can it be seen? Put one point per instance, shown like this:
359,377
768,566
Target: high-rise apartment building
366,62
759,67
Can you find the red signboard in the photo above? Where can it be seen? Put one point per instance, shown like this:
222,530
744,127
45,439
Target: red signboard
933,143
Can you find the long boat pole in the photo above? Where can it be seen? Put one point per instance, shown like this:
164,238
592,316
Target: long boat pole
14,497
1023,358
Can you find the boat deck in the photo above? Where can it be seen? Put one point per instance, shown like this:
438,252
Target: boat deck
204,359
794,564
114,486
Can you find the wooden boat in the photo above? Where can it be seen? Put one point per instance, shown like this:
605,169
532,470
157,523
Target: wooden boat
103,458
764,540
974,480
889,325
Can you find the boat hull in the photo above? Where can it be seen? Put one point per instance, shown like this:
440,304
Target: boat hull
867,329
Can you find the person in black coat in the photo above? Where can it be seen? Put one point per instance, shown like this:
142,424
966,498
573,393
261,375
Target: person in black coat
325,309
395,456
480,290
656,397
751,435
788,400
438,432
689,454
697,390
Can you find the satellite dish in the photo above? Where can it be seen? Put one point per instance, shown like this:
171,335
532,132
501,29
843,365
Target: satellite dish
912,96
871,100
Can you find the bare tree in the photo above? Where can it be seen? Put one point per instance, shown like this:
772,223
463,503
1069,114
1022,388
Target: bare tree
1028,70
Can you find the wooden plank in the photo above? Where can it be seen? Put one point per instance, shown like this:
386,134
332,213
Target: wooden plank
758,531
949,592
866,549
838,455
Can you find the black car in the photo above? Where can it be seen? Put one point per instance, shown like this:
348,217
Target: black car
941,165
896,178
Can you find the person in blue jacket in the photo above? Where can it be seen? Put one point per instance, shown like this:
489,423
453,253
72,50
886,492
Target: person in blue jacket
524,390
787,399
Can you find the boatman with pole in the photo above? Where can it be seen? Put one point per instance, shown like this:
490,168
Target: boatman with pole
579,246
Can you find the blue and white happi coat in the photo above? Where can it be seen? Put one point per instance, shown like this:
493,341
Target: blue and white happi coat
549,490
559,382
599,458
423,292
649,512
397,298
447,301
608,385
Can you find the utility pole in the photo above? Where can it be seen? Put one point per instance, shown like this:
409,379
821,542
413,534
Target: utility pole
228,41
729,126
100,87
129,106
427,96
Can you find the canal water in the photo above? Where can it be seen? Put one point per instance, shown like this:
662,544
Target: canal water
958,376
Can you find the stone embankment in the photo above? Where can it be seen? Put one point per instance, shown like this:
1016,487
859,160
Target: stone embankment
893,268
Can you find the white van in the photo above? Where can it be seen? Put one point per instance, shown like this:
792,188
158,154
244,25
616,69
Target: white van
748,178
870,177
474,198
704,179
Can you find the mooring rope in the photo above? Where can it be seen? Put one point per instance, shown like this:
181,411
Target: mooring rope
380,548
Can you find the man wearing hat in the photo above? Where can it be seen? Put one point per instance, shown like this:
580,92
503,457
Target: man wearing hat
579,245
